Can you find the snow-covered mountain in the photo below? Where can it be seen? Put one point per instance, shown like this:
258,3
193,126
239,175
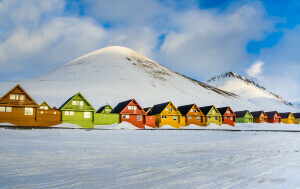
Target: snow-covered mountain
115,74
253,92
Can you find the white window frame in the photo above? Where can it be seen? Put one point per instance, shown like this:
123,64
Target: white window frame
28,111
231,117
54,113
87,115
8,109
198,117
2,108
127,116
71,113
21,97
189,117
12,97
67,113
174,118
134,108
81,103
139,118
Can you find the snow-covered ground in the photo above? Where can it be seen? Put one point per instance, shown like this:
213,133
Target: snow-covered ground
77,158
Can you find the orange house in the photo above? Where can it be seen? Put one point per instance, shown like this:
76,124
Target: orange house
192,114
259,117
47,116
130,111
18,108
228,116
273,117
149,119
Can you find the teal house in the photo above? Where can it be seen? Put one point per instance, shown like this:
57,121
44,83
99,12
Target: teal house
104,116
77,110
244,116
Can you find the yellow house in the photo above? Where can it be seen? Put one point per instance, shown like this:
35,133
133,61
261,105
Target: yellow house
287,118
297,118
212,115
167,114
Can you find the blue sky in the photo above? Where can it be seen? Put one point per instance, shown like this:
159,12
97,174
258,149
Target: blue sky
258,39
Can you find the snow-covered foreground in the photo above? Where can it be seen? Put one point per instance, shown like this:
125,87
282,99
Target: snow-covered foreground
77,158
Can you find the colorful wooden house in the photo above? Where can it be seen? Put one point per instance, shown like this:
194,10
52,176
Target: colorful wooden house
273,117
130,111
259,117
287,118
18,108
150,119
297,117
77,110
192,115
244,116
46,116
212,115
167,114
104,116
228,116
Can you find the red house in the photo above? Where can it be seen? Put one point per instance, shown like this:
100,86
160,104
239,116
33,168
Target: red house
131,112
273,117
228,116
150,119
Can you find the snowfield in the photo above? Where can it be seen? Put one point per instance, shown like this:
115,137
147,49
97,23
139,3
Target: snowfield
78,158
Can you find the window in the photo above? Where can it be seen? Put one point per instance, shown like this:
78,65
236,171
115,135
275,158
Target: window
167,109
139,118
228,112
171,109
129,107
216,118
150,117
123,116
107,110
54,113
231,118
8,109
208,117
12,97
16,97
81,103
42,112
127,116
174,117
67,113
134,107
198,117
28,111
87,115
71,113
225,117
2,109
189,117
163,116
74,102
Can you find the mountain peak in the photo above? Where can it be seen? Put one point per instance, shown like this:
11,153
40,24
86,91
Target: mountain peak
235,75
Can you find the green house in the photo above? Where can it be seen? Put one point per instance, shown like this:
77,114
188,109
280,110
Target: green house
104,116
244,116
212,115
77,110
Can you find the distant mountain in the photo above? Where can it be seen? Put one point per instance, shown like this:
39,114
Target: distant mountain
253,92
114,74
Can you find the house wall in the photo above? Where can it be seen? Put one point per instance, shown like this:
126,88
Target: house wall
193,120
48,117
78,119
169,120
106,119
150,121
18,117
288,120
133,119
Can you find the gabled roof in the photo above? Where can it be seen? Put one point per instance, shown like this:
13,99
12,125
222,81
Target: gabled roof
206,109
122,105
147,109
223,110
241,113
118,109
257,113
100,110
285,114
296,115
45,104
185,109
271,114
158,108
19,86
78,94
